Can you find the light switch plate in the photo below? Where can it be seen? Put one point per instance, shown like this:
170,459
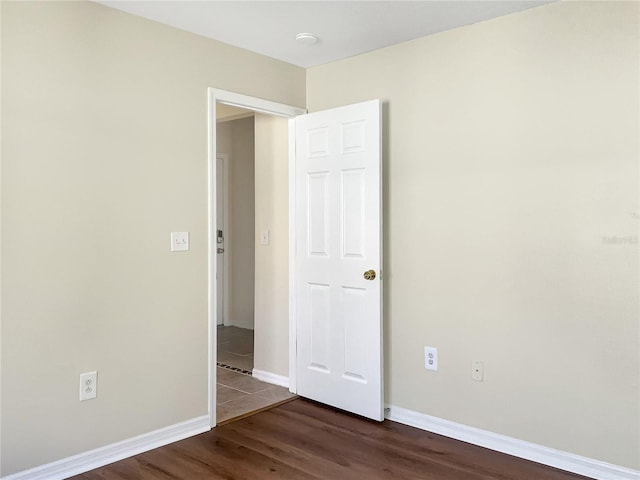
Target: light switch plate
179,241
264,237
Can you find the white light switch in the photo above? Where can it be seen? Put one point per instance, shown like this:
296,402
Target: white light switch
264,237
179,241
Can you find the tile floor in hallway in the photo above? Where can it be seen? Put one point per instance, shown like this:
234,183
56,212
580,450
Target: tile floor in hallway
235,347
239,394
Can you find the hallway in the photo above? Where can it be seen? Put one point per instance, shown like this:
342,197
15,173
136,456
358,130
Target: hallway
238,393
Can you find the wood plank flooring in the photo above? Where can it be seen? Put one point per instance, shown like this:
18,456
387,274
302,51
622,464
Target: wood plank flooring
303,440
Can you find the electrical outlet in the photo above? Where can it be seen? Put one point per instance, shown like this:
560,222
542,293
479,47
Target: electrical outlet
431,358
477,370
88,386
179,241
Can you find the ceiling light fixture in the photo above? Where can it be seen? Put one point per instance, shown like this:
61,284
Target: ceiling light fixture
306,38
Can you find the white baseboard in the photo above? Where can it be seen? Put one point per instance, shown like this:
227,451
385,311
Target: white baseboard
269,377
99,457
512,446
248,325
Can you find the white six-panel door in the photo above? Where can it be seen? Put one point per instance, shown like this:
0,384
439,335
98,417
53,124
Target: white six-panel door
338,239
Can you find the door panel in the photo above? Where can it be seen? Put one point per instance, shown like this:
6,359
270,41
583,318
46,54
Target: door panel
353,199
317,207
338,225
320,342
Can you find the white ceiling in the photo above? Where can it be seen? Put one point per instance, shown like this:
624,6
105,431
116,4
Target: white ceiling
345,28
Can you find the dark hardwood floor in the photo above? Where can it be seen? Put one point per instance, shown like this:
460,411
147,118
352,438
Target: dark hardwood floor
303,440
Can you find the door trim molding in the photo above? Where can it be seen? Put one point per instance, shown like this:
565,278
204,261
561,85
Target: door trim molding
256,104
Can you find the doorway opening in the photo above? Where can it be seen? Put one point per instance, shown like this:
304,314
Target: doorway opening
332,171
250,248
235,246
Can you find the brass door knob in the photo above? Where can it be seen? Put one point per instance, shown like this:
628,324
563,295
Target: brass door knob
370,275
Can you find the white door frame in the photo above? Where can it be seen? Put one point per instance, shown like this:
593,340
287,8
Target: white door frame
263,106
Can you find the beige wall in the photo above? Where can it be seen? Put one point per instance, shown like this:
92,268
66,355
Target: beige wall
239,242
511,160
104,139
227,113
223,137
0,243
511,165
271,352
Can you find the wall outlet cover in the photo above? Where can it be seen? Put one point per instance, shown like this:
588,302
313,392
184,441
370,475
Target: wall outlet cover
477,370
431,358
88,385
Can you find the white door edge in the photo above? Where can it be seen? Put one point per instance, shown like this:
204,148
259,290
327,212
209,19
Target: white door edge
293,340
256,104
